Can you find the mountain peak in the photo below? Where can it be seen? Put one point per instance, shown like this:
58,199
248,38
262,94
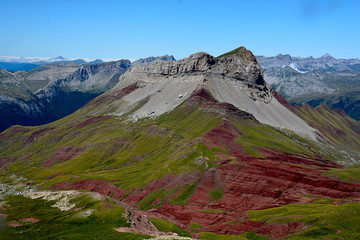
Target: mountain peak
149,60
285,57
327,56
58,58
241,52
236,78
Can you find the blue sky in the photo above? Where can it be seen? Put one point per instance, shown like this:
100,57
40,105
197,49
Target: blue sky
134,28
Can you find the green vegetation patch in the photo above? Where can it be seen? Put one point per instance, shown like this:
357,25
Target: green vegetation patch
323,217
130,155
258,136
231,52
346,174
212,210
161,195
217,193
340,129
50,223
194,226
250,235
166,226
213,236
184,197
147,202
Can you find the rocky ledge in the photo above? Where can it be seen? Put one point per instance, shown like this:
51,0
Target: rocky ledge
241,65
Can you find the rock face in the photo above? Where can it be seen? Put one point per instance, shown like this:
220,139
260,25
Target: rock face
95,78
326,63
149,60
53,91
241,65
290,82
236,78
316,81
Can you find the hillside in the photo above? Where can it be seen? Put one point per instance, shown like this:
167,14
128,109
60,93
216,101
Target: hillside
347,100
201,147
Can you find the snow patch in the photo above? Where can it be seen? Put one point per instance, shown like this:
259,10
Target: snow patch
293,66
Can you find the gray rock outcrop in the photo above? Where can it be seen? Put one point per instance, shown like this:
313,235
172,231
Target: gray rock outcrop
242,66
149,60
235,78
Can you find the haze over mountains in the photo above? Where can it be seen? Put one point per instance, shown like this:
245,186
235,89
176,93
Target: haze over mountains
14,64
202,147
326,63
314,81
54,90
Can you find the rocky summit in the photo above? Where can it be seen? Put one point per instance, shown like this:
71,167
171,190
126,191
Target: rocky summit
200,148
235,78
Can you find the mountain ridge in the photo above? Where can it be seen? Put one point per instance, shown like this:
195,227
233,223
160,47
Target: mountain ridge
207,166
326,62
56,90
315,81
236,79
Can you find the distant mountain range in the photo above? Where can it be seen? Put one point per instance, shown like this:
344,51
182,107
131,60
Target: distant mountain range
326,63
54,90
315,81
14,64
148,60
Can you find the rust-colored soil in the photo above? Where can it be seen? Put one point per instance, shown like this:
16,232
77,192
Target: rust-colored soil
92,120
29,220
244,183
62,155
37,134
249,184
99,186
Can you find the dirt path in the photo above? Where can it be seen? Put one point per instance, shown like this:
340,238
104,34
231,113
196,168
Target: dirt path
140,223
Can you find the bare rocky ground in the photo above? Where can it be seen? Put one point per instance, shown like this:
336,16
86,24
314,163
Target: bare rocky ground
140,223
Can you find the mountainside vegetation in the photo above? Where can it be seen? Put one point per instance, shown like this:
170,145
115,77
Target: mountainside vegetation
214,166
169,154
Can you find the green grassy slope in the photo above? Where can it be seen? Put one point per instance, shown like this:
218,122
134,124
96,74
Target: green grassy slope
335,126
52,223
133,155
323,217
